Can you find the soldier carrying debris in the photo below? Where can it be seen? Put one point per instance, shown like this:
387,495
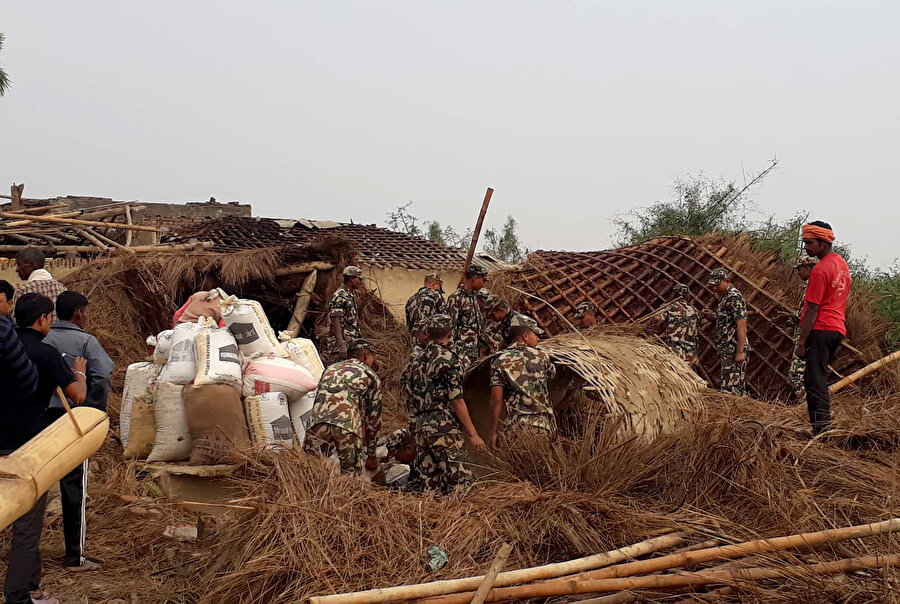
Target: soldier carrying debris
429,300
346,415
464,309
680,324
520,382
496,334
344,313
585,315
731,332
441,417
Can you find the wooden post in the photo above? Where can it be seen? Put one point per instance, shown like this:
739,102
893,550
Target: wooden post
65,404
128,220
303,299
16,196
477,233
91,223
496,566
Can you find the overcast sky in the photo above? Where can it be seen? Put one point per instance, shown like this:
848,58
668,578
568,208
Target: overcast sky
574,112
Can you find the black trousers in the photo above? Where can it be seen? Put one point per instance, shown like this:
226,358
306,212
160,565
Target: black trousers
820,349
23,571
73,499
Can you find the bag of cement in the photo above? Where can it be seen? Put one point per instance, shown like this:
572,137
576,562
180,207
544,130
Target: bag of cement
304,353
301,412
216,421
173,436
274,374
250,327
142,433
218,359
163,346
181,366
269,420
138,379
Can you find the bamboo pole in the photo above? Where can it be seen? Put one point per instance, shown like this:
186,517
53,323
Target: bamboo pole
65,404
491,576
525,575
90,237
114,243
304,267
128,220
894,356
709,577
31,219
89,249
108,225
477,232
653,565
302,306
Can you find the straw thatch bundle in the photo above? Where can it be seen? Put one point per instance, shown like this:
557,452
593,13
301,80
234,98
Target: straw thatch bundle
604,373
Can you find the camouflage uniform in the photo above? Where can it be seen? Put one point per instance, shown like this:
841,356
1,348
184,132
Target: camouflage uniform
524,373
731,309
346,414
414,390
343,305
436,430
682,327
468,323
421,305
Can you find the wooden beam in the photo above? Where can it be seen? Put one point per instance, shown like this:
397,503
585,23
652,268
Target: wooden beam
305,267
16,195
302,306
477,233
90,249
128,219
90,237
113,243
105,225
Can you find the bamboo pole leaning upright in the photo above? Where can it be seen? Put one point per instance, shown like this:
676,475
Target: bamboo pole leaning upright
565,585
514,577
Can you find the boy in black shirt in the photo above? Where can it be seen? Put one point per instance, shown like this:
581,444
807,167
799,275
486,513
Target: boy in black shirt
22,416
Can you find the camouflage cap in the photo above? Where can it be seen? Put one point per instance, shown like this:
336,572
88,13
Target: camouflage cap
476,270
681,289
716,276
358,344
353,271
434,277
525,321
491,301
806,261
439,321
583,308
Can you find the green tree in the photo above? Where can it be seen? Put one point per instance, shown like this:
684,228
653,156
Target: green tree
700,205
4,77
435,233
505,244
402,221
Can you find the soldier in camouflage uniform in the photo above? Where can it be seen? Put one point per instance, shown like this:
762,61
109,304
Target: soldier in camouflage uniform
680,325
414,391
344,314
520,383
468,322
429,300
804,268
440,418
346,415
585,315
496,334
731,332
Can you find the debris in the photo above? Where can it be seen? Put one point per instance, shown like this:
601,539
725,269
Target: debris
437,558
181,532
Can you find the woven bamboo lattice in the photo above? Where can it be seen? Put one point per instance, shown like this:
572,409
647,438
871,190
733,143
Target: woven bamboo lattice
643,385
630,283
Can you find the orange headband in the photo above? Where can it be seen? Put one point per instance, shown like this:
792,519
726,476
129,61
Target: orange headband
811,231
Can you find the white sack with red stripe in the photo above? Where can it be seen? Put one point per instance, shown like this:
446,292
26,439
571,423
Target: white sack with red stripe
274,374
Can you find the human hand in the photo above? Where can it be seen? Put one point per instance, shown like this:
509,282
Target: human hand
80,364
371,463
740,357
477,443
800,350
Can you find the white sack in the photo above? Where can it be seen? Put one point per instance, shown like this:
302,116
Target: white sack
250,327
163,346
218,359
138,379
181,367
301,412
274,374
268,418
173,437
304,353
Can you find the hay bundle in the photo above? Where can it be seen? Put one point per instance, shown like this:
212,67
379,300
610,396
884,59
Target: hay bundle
644,387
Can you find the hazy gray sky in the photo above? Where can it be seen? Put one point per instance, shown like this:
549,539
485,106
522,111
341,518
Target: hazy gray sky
573,111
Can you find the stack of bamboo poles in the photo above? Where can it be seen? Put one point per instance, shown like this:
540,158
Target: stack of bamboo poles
618,573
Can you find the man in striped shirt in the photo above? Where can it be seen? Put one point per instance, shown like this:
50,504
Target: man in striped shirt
37,280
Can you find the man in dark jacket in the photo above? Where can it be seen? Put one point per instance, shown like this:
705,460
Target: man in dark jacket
22,417
67,335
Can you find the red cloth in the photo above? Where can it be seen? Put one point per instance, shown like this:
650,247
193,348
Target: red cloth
199,305
829,287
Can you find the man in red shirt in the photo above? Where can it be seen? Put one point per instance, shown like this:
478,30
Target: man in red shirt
822,324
